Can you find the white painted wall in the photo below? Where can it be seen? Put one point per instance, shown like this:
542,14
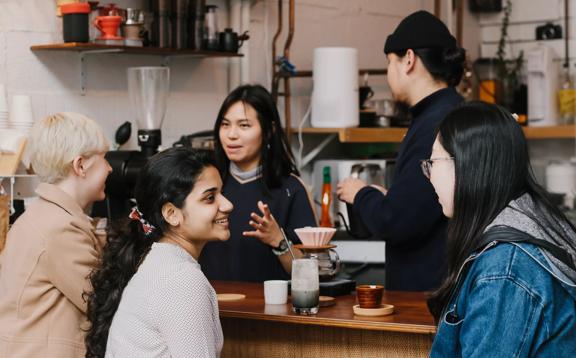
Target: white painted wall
526,15
198,85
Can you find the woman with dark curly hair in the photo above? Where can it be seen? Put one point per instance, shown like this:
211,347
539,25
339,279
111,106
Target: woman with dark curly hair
150,297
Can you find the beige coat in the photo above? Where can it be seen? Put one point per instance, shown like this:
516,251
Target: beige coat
50,250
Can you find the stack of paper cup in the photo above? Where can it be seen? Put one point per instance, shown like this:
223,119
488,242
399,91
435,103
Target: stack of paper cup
21,116
4,123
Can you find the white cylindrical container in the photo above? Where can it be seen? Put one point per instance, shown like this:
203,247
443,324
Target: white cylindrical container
335,92
561,178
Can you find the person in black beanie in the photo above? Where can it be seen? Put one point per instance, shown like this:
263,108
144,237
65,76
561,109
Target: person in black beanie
424,65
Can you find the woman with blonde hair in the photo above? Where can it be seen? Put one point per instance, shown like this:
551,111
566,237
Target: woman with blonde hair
51,249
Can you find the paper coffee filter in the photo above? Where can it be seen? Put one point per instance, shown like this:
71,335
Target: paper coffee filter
315,236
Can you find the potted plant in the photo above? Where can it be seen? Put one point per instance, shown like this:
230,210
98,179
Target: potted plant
508,69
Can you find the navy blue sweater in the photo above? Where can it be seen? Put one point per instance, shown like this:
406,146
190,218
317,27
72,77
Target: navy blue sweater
245,258
409,216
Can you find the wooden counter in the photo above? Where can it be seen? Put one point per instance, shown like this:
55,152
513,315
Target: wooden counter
253,329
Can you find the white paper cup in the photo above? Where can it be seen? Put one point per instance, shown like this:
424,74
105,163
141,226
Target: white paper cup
275,292
21,111
3,101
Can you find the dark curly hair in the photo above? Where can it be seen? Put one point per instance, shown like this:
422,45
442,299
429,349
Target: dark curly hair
168,177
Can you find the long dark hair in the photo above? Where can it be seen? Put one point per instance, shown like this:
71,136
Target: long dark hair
445,64
492,168
168,177
276,156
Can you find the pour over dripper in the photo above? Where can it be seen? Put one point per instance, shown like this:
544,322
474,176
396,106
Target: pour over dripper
148,91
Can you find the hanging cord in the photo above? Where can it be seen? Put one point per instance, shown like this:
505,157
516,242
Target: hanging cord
12,182
4,192
300,139
566,34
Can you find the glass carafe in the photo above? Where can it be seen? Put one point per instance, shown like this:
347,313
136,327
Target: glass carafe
328,262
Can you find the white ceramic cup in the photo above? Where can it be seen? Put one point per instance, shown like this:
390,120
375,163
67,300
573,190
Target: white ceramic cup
275,292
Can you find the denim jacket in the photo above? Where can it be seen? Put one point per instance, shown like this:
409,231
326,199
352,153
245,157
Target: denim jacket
511,303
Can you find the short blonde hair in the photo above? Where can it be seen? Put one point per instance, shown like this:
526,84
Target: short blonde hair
59,138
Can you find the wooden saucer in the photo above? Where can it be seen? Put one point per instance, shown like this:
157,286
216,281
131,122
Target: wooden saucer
230,296
327,301
312,248
374,312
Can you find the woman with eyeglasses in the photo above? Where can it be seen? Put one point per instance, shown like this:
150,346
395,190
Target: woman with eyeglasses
511,284
424,65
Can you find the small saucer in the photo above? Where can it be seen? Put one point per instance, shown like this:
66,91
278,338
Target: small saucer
383,310
312,248
327,301
230,296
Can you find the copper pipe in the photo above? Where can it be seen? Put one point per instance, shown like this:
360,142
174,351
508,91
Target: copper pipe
274,40
459,22
291,25
287,94
437,8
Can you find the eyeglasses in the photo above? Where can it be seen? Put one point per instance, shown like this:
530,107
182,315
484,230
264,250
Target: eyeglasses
426,165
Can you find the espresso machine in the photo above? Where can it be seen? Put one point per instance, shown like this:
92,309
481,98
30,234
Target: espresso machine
148,89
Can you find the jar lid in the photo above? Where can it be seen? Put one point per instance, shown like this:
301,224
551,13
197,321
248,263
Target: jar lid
75,8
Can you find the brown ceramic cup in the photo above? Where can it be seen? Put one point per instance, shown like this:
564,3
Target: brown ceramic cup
369,296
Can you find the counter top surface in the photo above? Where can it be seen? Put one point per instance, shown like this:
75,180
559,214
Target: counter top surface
411,314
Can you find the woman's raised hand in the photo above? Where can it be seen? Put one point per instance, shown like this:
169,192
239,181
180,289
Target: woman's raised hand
266,228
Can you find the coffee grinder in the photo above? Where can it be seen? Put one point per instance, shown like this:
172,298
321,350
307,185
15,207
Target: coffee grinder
148,92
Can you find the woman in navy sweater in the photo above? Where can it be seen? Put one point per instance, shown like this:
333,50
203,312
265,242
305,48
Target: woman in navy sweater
261,180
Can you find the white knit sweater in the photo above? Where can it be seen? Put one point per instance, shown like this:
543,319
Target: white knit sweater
168,309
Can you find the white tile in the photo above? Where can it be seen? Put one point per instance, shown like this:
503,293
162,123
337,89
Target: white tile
513,49
526,11
27,15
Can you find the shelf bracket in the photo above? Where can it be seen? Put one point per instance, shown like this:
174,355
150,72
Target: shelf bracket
83,74
315,151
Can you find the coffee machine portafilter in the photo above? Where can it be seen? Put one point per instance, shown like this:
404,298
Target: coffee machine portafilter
148,89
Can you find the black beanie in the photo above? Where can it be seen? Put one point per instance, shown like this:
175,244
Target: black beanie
419,30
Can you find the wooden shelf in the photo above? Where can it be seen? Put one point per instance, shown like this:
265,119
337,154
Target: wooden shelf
362,135
91,47
556,132
396,135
